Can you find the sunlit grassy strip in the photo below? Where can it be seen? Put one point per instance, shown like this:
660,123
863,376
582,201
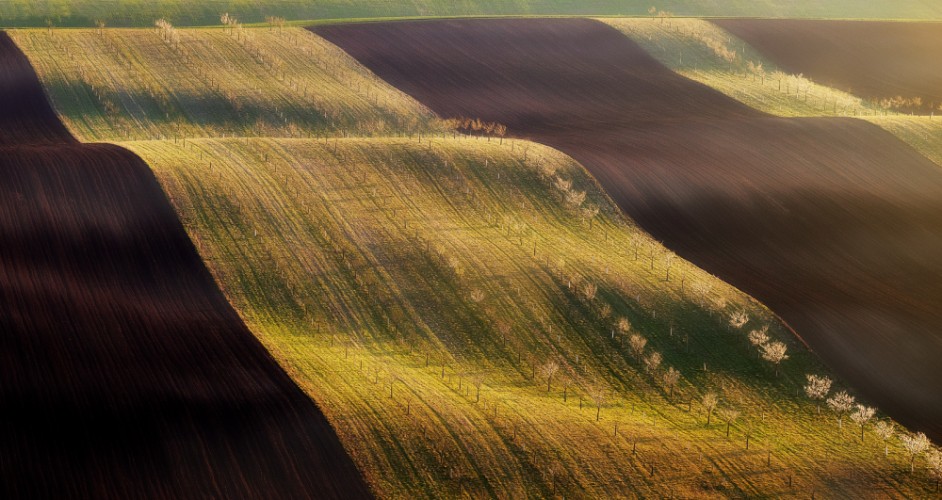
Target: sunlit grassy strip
132,84
365,264
140,12
704,52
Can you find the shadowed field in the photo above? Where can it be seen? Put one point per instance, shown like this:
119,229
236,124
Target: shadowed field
871,59
124,371
832,222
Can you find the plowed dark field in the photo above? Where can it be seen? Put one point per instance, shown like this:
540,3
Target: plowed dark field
868,58
833,223
124,373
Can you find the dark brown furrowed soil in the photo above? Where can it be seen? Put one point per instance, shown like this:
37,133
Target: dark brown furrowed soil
124,373
867,58
832,222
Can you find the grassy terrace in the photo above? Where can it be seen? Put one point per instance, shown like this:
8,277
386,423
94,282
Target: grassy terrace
136,84
702,51
393,277
423,288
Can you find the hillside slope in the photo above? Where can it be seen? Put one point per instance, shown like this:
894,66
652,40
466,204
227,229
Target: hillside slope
125,372
422,291
875,60
801,213
142,84
704,52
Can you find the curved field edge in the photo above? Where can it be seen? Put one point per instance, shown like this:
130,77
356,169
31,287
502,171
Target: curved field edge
146,84
756,197
126,373
704,52
394,279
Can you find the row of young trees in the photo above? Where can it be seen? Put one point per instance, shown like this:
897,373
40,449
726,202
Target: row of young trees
843,404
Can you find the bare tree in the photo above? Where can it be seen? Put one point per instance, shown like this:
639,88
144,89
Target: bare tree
748,430
637,343
100,24
817,388
841,403
915,444
774,353
548,370
478,381
653,362
589,290
885,430
668,263
729,416
599,395
670,378
709,402
861,415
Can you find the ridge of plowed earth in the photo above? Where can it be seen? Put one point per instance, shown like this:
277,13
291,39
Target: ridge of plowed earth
125,373
871,59
832,222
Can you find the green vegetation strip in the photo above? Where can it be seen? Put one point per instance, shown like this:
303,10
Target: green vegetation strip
395,272
463,310
702,51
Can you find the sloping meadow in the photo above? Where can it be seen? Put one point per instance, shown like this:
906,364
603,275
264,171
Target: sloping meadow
470,314
126,373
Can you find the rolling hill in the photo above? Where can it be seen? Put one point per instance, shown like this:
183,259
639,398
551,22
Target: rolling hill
801,213
875,60
126,373
395,278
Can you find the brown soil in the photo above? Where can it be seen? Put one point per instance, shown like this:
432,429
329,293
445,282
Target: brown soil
867,58
124,371
831,222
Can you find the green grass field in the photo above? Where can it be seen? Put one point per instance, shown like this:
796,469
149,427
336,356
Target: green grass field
393,274
390,276
134,84
25,13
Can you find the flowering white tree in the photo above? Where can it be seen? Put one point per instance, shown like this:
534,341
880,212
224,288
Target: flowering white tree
709,401
670,378
861,416
885,430
738,318
817,388
774,353
841,403
637,344
914,444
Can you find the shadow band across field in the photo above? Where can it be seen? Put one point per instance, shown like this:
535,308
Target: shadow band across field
124,371
831,222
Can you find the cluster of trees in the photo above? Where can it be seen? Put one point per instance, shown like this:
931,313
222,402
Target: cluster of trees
771,351
167,32
843,404
573,197
662,15
274,22
907,104
232,25
477,126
